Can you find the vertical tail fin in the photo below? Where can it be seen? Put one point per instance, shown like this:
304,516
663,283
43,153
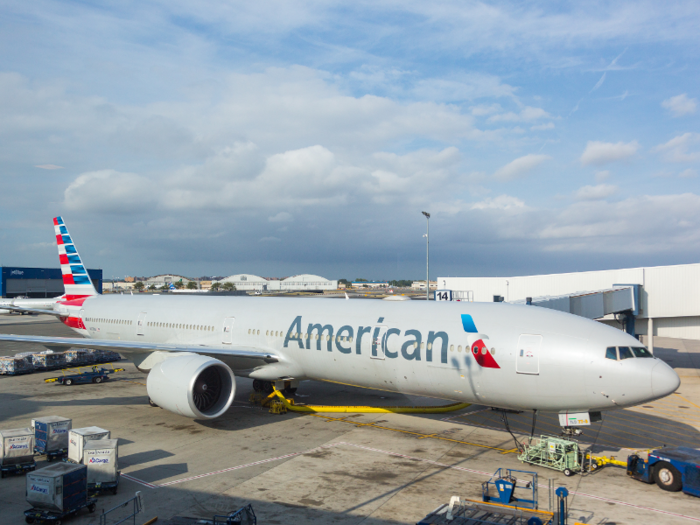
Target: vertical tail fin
76,281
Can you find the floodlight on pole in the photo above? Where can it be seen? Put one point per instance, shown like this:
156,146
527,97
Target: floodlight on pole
427,257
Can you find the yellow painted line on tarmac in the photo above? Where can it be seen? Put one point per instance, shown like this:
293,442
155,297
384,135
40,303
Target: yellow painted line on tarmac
409,432
671,413
686,400
661,431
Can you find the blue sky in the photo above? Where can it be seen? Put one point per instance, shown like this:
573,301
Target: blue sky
289,137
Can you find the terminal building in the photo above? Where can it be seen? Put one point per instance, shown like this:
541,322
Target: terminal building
297,283
651,301
38,282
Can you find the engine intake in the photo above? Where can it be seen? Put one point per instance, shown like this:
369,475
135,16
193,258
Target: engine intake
192,385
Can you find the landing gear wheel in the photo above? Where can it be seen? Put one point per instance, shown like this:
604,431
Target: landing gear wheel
289,391
568,472
667,477
98,380
68,382
150,402
267,387
257,385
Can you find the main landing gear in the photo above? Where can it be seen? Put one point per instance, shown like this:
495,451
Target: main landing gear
266,387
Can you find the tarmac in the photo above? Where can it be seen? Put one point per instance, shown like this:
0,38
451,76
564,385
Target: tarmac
365,469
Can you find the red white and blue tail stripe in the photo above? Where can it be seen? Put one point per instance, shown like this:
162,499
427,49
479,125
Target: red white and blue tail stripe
76,280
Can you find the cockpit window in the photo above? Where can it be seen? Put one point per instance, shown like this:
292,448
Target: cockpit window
611,353
625,352
640,351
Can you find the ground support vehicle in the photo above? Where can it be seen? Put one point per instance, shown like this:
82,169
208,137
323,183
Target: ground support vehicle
672,469
56,518
559,454
243,516
469,512
94,375
17,468
505,485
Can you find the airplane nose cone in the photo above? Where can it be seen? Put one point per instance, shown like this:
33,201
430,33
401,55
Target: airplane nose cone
664,380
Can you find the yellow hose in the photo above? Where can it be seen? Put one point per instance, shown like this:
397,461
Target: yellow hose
363,409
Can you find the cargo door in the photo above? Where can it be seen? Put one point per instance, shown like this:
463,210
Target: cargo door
227,334
528,356
378,342
141,324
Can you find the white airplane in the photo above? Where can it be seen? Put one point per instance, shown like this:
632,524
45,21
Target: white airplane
496,354
22,303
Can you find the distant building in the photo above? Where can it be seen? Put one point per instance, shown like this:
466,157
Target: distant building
38,282
420,285
129,279
297,283
159,280
370,284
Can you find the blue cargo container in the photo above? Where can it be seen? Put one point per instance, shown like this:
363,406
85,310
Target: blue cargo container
51,436
57,491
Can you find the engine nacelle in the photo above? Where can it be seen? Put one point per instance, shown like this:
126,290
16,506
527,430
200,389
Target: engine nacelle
192,385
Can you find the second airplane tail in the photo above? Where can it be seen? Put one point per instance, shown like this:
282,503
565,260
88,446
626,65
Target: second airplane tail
76,280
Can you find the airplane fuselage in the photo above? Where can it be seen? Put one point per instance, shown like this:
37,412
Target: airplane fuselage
518,357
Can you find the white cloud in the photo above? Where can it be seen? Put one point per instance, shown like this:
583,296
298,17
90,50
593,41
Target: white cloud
602,175
485,109
592,193
109,191
676,149
527,114
282,216
49,167
688,174
680,105
519,167
599,83
598,153
502,202
270,239
542,127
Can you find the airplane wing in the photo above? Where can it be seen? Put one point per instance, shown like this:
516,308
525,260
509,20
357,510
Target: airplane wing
32,311
126,347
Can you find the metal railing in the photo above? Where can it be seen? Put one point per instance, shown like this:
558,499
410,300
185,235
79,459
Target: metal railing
137,507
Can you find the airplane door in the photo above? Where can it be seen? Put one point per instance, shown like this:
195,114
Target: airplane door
378,342
528,356
227,335
141,324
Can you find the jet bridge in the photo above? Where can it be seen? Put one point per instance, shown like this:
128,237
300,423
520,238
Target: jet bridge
622,301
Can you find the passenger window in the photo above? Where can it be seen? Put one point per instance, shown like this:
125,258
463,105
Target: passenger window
640,351
611,353
625,353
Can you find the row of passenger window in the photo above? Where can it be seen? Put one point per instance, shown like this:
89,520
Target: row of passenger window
181,326
626,352
108,321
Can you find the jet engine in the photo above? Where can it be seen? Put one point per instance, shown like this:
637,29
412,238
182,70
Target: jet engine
192,385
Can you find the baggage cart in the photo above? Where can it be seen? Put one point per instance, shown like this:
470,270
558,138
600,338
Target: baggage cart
101,457
57,492
94,375
51,436
78,437
48,361
14,366
16,451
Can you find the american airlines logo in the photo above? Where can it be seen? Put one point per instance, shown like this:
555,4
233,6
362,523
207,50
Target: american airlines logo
17,272
411,345
101,461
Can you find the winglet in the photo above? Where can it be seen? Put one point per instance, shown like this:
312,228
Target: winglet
76,280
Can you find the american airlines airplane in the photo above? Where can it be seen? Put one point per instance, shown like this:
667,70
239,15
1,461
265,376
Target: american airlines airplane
495,354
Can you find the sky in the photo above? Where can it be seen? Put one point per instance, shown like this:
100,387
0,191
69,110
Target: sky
286,137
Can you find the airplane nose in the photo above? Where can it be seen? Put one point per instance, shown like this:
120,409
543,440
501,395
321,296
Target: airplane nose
664,380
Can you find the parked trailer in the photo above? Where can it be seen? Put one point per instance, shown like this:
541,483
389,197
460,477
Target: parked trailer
16,451
672,469
48,361
57,492
51,436
78,437
94,375
101,457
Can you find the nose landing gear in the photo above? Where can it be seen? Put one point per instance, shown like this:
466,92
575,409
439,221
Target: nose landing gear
289,388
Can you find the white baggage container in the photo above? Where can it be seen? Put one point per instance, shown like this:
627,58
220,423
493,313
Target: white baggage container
17,446
79,436
61,487
51,433
101,458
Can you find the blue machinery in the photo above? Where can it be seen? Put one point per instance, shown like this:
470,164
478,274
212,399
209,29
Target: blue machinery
505,484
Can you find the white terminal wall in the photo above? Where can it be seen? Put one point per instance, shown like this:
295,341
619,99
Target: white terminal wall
670,295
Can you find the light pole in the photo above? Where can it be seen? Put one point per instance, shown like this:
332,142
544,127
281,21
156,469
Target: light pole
427,257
